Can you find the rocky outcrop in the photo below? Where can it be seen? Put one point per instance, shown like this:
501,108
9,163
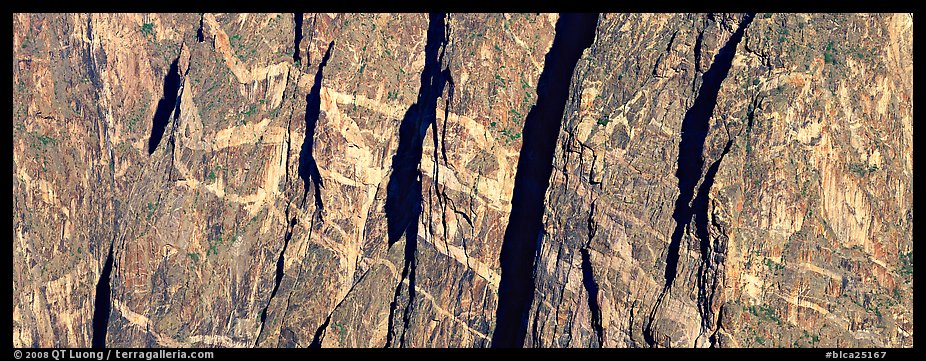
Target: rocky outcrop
383,180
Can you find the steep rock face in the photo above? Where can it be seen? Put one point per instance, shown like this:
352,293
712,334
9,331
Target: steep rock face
816,202
762,265
346,180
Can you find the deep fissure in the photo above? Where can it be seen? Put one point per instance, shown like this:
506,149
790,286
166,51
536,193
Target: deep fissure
199,31
588,280
297,38
695,126
404,191
176,121
320,331
103,303
166,106
279,272
700,206
308,167
317,338
574,33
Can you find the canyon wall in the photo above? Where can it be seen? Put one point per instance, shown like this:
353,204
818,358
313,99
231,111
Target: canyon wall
462,180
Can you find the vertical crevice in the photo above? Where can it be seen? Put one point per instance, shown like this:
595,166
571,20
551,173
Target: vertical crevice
751,112
574,34
404,190
319,332
700,205
308,168
694,131
588,280
699,41
279,273
297,38
440,150
176,118
166,105
103,303
199,31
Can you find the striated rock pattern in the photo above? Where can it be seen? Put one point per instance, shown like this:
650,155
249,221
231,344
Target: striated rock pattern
462,180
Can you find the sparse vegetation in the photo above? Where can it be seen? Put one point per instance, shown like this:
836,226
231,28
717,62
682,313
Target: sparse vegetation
132,122
214,245
862,169
773,266
906,264
510,135
212,173
814,339
242,51
765,312
147,29
829,55
152,207
45,140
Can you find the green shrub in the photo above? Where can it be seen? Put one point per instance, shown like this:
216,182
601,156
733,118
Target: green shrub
906,264
147,29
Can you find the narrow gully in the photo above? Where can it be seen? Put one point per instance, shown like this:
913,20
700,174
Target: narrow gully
588,279
166,106
279,273
308,168
317,338
404,190
574,33
700,205
199,31
297,39
103,303
694,130
176,119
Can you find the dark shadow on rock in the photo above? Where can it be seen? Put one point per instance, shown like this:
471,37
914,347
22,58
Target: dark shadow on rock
166,105
694,131
102,305
403,193
574,33
308,168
